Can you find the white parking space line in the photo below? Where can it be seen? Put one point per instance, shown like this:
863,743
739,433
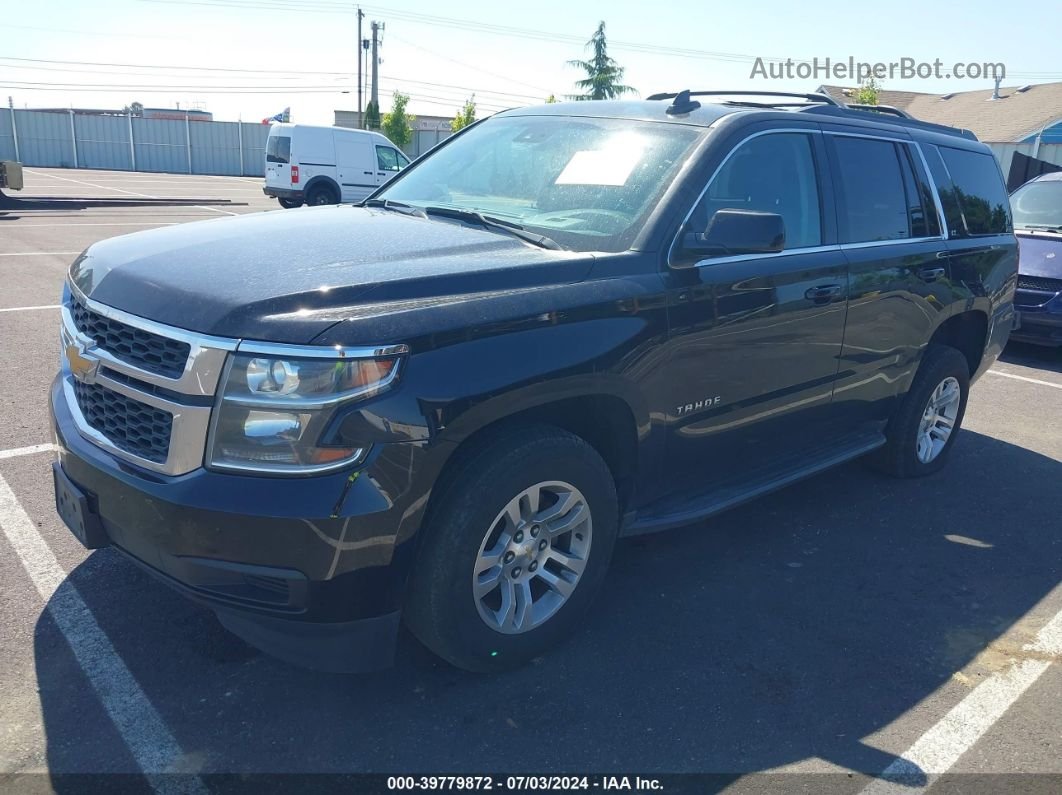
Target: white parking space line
131,193
15,452
115,223
936,751
151,743
39,253
1025,378
90,184
29,308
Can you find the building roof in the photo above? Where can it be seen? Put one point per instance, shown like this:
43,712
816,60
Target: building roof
1016,115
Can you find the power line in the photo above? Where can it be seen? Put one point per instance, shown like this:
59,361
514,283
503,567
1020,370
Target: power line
467,65
322,6
78,68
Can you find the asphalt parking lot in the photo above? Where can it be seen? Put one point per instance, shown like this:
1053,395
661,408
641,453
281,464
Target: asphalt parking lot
848,625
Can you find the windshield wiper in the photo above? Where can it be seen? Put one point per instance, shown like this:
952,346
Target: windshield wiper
398,207
496,224
1044,227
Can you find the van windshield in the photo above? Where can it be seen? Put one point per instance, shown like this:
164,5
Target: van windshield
278,149
1038,205
587,183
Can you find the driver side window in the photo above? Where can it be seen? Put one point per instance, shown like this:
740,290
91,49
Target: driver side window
773,173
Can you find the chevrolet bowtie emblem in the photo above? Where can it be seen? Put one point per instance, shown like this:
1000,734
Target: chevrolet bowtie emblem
83,366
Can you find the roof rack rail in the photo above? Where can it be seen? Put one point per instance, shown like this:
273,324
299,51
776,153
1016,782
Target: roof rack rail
887,109
823,98
901,119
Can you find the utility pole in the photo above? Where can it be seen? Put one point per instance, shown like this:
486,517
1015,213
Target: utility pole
376,27
361,15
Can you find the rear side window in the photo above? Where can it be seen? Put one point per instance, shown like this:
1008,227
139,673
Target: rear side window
874,204
773,174
278,149
979,191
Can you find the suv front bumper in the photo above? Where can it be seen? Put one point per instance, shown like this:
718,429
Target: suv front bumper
307,569
1040,324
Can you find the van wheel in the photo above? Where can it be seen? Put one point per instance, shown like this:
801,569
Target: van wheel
320,195
516,549
923,430
290,204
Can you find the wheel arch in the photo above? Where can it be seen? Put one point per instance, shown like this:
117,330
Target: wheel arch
319,180
611,417
967,331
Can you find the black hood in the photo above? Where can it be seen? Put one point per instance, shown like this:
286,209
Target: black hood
287,276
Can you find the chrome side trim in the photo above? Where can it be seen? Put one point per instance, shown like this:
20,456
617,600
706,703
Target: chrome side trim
900,241
753,257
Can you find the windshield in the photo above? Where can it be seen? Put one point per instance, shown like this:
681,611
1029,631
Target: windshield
1038,205
586,183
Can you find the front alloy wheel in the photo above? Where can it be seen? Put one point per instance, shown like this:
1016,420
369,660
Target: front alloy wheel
532,557
516,545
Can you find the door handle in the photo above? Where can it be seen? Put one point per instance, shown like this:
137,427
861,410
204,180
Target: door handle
823,294
931,274
370,173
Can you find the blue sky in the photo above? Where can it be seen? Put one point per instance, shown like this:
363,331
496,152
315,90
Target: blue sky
301,53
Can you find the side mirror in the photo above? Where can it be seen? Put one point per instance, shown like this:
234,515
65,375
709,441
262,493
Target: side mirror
733,232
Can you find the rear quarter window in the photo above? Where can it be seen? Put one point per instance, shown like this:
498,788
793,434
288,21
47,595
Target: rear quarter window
278,149
978,191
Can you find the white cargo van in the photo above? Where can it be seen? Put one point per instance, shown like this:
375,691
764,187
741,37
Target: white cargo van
327,165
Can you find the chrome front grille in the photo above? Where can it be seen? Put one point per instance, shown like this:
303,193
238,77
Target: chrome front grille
141,390
133,426
140,348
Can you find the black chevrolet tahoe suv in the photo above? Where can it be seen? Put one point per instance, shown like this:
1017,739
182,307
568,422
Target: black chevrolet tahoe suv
564,325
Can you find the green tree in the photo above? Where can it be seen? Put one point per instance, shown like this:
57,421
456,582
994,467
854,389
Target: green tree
372,116
550,99
465,116
398,125
603,75
867,94
134,108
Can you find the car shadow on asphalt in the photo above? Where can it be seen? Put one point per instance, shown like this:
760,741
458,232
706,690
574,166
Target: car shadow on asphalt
789,629
1041,357
10,207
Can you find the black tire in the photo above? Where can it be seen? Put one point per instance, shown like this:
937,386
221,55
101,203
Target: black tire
290,204
899,456
322,194
441,609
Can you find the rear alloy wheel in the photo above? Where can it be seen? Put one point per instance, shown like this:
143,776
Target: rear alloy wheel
515,548
320,195
923,429
938,420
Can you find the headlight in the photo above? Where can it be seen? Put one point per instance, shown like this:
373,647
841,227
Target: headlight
277,402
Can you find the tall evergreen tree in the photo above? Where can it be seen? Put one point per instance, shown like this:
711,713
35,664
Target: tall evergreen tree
604,77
